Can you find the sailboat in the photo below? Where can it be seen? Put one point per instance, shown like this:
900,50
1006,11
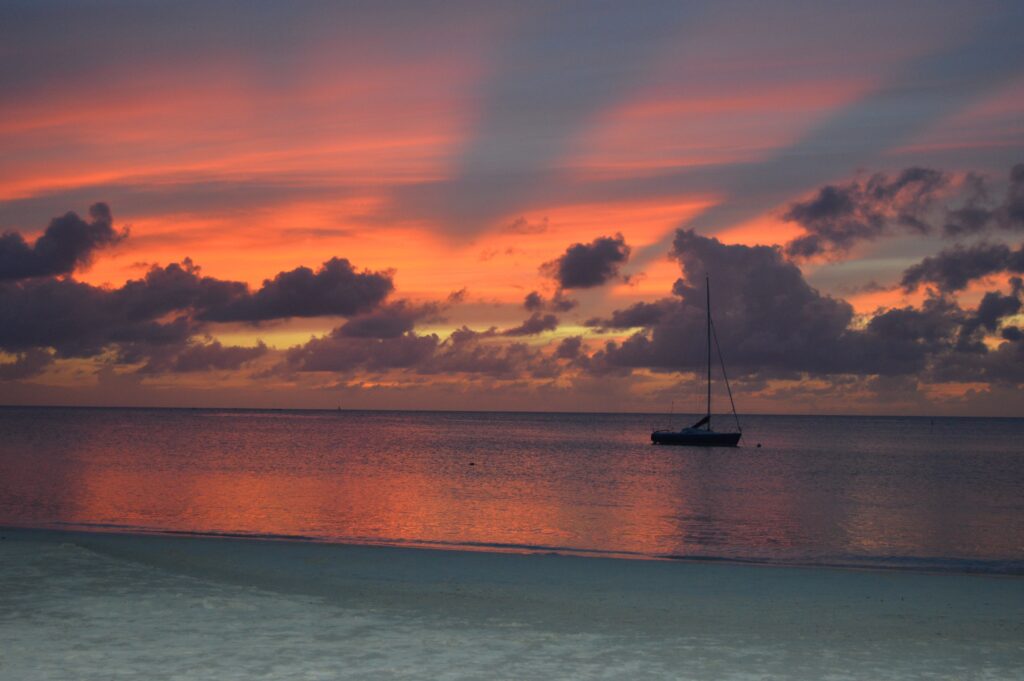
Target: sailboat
700,433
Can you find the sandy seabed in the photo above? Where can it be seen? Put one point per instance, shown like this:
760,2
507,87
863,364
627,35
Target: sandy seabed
77,605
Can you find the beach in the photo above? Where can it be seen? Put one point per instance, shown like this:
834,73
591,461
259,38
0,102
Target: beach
94,605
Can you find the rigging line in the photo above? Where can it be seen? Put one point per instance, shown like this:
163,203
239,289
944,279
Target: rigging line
721,359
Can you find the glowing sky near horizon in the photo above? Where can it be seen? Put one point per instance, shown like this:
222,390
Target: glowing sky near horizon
463,145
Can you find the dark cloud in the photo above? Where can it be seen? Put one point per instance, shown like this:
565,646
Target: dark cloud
768,317
335,289
840,216
974,360
504,361
570,348
589,265
988,316
336,352
465,351
954,268
979,214
177,287
1005,364
973,216
536,323
533,301
25,365
901,340
212,356
68,243
170,304
79,320
1013,207
639,314
153,320
559,303
772,323
390,321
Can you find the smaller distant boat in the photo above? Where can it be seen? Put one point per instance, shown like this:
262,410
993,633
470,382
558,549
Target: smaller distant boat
700,433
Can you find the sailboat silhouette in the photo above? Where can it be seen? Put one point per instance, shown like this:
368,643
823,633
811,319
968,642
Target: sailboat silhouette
700,433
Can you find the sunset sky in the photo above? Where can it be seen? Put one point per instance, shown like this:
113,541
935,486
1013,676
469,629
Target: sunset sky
513,205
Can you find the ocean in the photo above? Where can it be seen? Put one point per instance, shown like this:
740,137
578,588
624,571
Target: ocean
234,544
886,492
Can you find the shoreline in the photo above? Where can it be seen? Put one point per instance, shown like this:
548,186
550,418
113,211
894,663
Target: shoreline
201,607
385,575
1008,569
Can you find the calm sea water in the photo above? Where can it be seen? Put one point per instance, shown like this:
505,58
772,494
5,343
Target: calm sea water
940,494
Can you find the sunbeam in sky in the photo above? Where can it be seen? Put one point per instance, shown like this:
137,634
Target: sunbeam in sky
510,205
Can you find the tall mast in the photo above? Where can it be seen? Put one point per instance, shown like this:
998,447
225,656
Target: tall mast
707,285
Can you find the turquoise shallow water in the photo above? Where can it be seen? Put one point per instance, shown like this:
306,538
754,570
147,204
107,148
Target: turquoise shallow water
88,605
940,494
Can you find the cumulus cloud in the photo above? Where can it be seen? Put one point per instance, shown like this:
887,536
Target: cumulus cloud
504,361
68,243
389,321
974,215
973,360
1013,206
918,200
839,216
771,322
988,316
154,320
79,320
533,301
177,287
335,289
192,356
464,352
25,365
902,340
954,268
337,352
979,214
589,265
570,348
535,324
559,303
768,317
638,314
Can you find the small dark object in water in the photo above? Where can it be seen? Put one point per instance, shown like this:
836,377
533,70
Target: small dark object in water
471,463
759,445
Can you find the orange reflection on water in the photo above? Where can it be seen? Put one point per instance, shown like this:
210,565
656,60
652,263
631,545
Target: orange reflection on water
571,483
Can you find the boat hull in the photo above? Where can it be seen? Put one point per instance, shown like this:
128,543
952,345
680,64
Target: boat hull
695,439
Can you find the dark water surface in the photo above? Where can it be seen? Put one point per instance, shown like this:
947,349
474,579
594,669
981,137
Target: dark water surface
944,494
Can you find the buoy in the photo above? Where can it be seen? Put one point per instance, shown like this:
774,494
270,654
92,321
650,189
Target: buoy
759,445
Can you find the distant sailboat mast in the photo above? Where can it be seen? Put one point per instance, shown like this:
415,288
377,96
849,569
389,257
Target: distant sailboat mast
695,435
725,377
707,288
